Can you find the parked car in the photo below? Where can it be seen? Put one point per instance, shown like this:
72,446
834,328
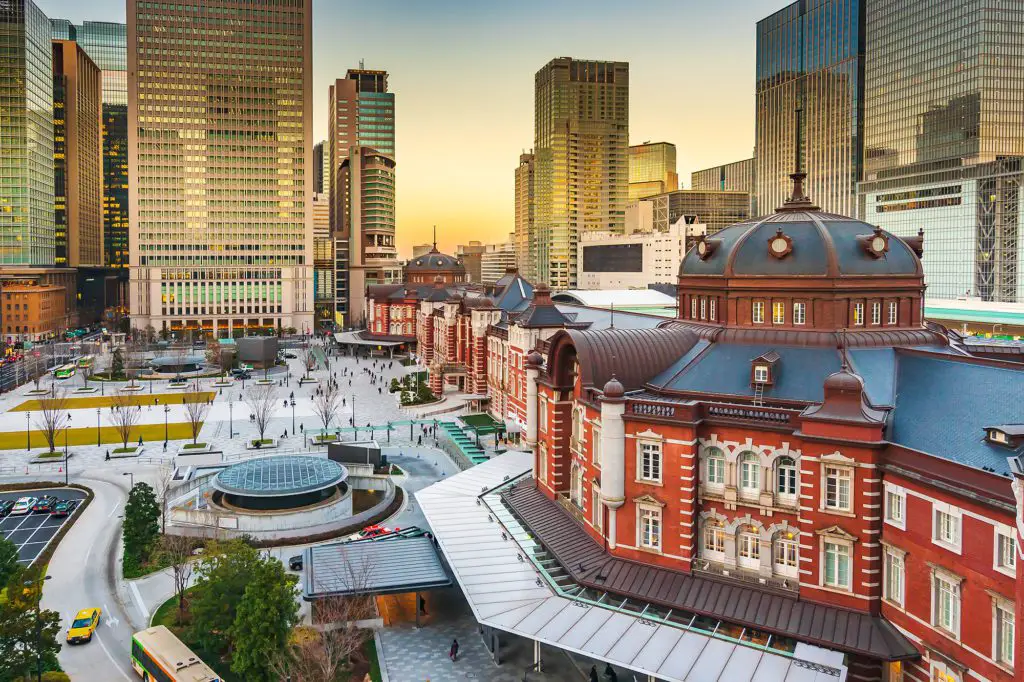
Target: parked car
83,626
65,507
243,376
23,506
295,563
5,507
44,504
291,356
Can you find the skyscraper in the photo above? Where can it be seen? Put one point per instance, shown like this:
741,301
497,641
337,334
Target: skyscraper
78,163
737,176
106,43
652,169
220,165
361,114
810,58
321,169
26,142
944,137
524,235
581,135
323,262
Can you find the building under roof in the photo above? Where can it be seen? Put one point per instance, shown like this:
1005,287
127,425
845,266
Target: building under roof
648,301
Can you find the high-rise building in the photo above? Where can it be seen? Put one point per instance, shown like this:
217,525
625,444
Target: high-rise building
361,114
26,136
810,59
497,260
367,178
77,159
581,136
321,170
323,262
471,254
737,176
106,43
652,169
524,235
712,208
220,165
944,137
421,249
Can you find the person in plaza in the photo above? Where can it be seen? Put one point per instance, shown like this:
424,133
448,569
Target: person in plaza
453,652
593,674
610,673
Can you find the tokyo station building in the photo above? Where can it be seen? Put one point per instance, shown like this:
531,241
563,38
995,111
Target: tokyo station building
798,473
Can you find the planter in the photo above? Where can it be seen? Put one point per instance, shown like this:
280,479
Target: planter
135,389
87,390
176,387
265,444
266,382
58,457
40,391
308,380
222,384
126,453
194,449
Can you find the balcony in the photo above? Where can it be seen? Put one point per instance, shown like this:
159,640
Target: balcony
568,505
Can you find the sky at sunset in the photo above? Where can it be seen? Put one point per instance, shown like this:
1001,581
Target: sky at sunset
462,72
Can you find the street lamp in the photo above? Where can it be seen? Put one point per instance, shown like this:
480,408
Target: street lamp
97,427
167,408
28,436
231,418
66,425
132,479
293,414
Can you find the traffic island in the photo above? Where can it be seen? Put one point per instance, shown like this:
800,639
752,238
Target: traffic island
126,452
258,444
194,449
51,457
86,390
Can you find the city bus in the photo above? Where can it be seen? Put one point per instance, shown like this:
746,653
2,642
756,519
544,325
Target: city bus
159,656
85,362
64,371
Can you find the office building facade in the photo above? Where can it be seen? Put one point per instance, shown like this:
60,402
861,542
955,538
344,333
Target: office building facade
944,138
361,117
810,59
26,145
637,260
652,169
77,159
498,260
323,263
714,209
581,175
524,233
320,165
738,176
471,254
220,165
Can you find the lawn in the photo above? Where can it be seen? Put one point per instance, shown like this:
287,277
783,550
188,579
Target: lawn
108,401
151,433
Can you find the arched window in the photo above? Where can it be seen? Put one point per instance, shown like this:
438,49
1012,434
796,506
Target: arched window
714,540
786,478
714,468
786,553
749,482
577,425
576,485
748,548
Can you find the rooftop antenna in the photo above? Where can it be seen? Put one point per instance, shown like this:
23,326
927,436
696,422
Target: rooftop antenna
799,201
361,64
611,324
435,237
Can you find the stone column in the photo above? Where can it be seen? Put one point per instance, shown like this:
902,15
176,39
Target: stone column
533,362
613,454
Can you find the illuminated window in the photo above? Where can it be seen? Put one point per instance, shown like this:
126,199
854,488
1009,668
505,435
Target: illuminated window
778,312
858,314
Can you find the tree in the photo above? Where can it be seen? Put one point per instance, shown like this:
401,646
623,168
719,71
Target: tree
141,530
262,401
8,560
28,634
308,359
161,488
196,407
265,616
53,416
221,576
327,403
136,350
178,552
116,363
124,415
215,355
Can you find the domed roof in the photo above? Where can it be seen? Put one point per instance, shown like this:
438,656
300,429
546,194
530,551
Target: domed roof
279,476
802,243
435,261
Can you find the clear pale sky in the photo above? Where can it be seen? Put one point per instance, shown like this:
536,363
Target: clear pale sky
462,72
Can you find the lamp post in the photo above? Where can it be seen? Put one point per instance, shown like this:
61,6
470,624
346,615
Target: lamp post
293,413
97,427
66,425
231,418
132,479
167,409
28,435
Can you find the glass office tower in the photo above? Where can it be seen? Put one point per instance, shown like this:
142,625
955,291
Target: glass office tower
26,145
944,137
810,57
652,169
220,166
581,172
106,44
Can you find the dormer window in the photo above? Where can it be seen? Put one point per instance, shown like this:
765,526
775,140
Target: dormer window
763,369
761,374
1005,435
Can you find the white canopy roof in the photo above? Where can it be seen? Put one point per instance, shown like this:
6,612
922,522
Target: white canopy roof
505,591
625,298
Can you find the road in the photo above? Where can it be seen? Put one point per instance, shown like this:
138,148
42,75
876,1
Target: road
82,575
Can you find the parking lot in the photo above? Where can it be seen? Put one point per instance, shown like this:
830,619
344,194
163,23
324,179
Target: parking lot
33,531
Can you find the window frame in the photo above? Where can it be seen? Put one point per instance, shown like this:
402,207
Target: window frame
597,512
778,312
891,558
942,579
712,309
941,510
652,512
757,312
693,307
718,455
791,466
748,462
1002,536
716,531
858,314
799,313
785,546
892,492
1000,609
542,455
843,473
894,313
876,313
748,549
846,552
595,445
641,451
761,374
703,307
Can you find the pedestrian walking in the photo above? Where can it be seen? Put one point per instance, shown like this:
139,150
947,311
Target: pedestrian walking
593,674
453,653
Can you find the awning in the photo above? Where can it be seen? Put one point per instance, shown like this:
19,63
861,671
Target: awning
493,559
388,565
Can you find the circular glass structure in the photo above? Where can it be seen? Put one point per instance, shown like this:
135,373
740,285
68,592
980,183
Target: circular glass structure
280,482
183,363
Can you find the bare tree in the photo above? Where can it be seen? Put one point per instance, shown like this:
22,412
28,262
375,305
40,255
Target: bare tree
124,415
262,401
53,416
196,406
135,356
327,403
326,649
308,359
161,489
216,355
178,550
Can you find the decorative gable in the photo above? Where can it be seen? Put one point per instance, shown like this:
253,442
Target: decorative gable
836,532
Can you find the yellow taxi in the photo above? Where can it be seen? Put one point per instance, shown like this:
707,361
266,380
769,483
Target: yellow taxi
83,626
